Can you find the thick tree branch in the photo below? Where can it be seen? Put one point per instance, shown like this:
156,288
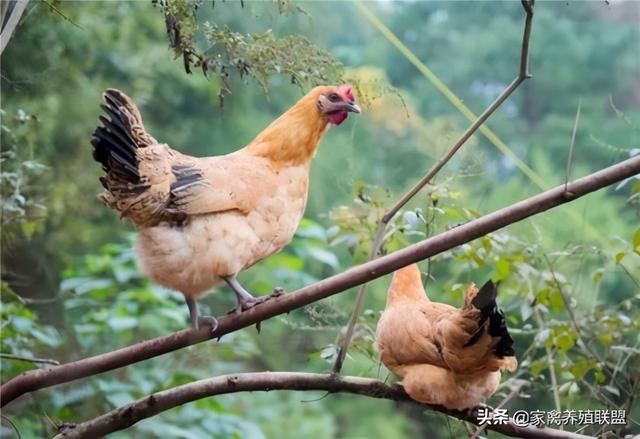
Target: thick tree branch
378,241
125,416
39,379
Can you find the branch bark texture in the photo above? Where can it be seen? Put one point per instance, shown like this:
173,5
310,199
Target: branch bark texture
125,416
42,378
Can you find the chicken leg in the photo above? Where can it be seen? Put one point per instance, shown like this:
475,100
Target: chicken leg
198,320
245,299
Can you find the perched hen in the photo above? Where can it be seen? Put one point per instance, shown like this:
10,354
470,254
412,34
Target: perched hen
444,355
204,220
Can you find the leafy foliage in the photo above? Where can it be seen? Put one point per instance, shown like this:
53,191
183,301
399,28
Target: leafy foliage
22,334
256,56
22,207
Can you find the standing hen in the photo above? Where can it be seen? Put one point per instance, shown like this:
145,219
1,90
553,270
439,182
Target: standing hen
444,355
204,220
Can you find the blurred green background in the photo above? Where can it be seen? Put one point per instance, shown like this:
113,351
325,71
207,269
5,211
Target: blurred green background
70,284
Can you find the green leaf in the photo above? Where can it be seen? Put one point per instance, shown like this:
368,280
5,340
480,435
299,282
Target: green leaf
329,353
48,335
324,256
410,219
605,338
29,228
555,301
569,388
285,260
581,366
574,389
564,389
597,276
636,241
122,323
537,367
612,390
543,336
503,269
564,342
619,257
312,230
525,310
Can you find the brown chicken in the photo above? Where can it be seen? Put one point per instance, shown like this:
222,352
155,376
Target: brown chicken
204,220
445,356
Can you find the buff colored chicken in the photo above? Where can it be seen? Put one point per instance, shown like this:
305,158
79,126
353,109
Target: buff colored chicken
445,356
204,220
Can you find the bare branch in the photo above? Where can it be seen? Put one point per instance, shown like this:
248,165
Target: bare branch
12,23
39,379
378,241
523,75
127,415
572,144
551,364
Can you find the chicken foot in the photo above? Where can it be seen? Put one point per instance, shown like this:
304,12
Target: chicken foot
245,299
198,320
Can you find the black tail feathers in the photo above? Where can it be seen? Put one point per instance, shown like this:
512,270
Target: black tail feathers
485,301
113,143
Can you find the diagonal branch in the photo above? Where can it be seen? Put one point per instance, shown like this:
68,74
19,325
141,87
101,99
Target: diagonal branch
127,415
12,22
378,241
42,378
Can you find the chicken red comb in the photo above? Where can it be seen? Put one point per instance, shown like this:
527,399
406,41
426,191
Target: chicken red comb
346,90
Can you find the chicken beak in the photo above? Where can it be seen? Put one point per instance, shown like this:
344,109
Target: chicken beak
352,107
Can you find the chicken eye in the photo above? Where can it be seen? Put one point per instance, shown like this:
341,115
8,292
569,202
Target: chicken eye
333,97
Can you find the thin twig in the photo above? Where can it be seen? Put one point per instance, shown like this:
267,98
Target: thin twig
30,301
359,303
53,7
572,145
572,316
29,359
127,415
622,360
574,320
12,424
378,241
42,378
551,365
